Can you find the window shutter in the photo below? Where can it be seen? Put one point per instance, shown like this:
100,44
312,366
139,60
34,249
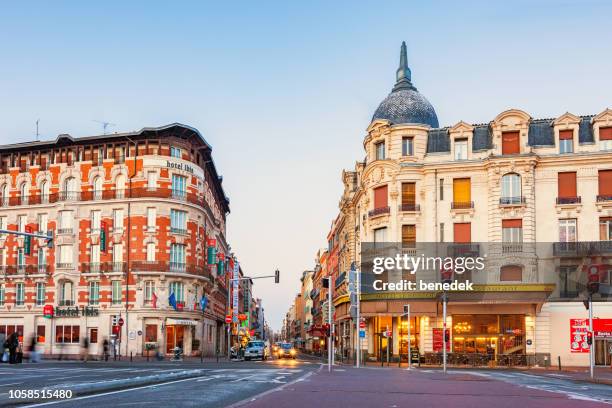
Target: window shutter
511,273
567,184
512,223
408,234
408,194
605,182
566,134
605,133
462,190
462,232
510,143
380,197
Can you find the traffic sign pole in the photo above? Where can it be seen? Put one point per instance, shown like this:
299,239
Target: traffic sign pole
444,332
358,290
592,346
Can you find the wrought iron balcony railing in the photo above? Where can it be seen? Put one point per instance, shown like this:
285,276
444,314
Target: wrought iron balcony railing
410,207
379,211
462,205
512,200
568,200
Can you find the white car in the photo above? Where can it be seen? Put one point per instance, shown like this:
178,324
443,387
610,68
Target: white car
256,349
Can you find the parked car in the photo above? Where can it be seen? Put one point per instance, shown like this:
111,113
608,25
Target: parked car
256,349
286,350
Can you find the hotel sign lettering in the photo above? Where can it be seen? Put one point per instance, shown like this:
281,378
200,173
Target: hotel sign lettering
180,166
76,311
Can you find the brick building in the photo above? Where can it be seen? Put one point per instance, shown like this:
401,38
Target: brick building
133,216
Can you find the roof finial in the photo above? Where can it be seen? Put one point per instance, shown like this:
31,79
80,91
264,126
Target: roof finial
403,74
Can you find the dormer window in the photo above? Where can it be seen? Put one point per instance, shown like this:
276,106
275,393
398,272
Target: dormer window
511,143
461,149
175,152
407,146
605,138
566,141
380,150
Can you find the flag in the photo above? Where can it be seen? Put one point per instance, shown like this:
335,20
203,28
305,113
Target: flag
172,300
203,303
154,300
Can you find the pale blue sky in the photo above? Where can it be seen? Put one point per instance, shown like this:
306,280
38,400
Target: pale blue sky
284,91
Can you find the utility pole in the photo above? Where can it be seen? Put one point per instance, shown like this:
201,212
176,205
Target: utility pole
358,281
329,321
444,300
591,346
407,314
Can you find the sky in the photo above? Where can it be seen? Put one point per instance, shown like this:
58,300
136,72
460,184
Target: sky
284,91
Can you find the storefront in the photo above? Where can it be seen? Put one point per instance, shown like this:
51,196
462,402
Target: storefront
488,334
602,330
179,333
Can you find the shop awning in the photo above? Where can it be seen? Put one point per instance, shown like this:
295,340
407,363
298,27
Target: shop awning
181,322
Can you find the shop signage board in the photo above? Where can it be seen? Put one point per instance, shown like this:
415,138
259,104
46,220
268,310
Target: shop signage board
235,293
362,333
602,327
438,341
578,335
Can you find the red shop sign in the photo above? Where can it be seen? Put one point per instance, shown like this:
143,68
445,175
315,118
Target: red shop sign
602,327
211,242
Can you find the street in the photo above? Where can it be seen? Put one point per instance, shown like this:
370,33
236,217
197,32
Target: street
284,383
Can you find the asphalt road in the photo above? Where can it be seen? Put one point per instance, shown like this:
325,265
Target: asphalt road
117,384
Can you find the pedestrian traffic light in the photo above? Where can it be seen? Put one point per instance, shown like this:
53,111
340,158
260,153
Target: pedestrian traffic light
446,335
589,338
276,276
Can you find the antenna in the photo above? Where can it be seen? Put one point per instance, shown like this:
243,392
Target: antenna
105,125
37,120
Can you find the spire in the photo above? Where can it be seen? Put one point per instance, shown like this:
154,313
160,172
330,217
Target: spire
403,74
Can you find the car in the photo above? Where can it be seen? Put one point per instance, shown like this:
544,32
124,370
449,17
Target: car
286,350
256,349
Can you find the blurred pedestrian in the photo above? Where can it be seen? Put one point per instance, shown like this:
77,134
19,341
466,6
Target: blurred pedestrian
105,349
85,349
13,344
34,358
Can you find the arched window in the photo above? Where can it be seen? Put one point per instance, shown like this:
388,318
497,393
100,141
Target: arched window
97,188
70,189
511,273
44,192
120,186
23,192
66,297
4,195
511,189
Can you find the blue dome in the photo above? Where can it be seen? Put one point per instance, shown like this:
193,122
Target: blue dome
405,104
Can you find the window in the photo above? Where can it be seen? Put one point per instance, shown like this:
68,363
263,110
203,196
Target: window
21,258
97,188
66,297
380,150
42,260
94,292
380,197
511,273
441,232
150,252
179,186
4,193
177,257
65,226
407,146
568,281
67,334
178,221
65,256
19,294
462,232
116,292
380,235
512,235
151,180
511,189
605,185
441,189
151,333
462,193
118,220
408,196
510,143
22,221
605,228
567,192
605,138
461,149
70,188
177,289
40,293
118,257
151,218
40,333
94,258
2,294
567,230
149,289
120,186
23,192
44,192
566,141
175,152
408,236
93,335
95,221
43,222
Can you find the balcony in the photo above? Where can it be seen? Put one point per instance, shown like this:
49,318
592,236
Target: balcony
569,200
178,231
64,265
585,248
65,303
120,159
65,231
463,250
512,247
410,207
462,205
69,195
510,201
379,211
177,267
604,198
104,267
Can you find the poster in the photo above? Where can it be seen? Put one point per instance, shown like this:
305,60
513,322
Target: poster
438,341
578,335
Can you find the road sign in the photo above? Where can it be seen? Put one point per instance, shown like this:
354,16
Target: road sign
228,319
362,325
362,333
120,322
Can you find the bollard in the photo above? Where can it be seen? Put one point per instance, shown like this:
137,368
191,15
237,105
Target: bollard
217,355
130,356
559,360
202,357
147,355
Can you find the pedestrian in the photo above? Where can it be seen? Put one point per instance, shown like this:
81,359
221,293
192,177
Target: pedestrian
85,349
13,344
33,351
105,349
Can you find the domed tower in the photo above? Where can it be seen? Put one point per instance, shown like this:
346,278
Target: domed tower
405,105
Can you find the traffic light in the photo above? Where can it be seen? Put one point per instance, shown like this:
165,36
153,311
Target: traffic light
446,335
586,304
115,320
326,283
589,338
446,275
326,329
406,309
593,279
276,276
